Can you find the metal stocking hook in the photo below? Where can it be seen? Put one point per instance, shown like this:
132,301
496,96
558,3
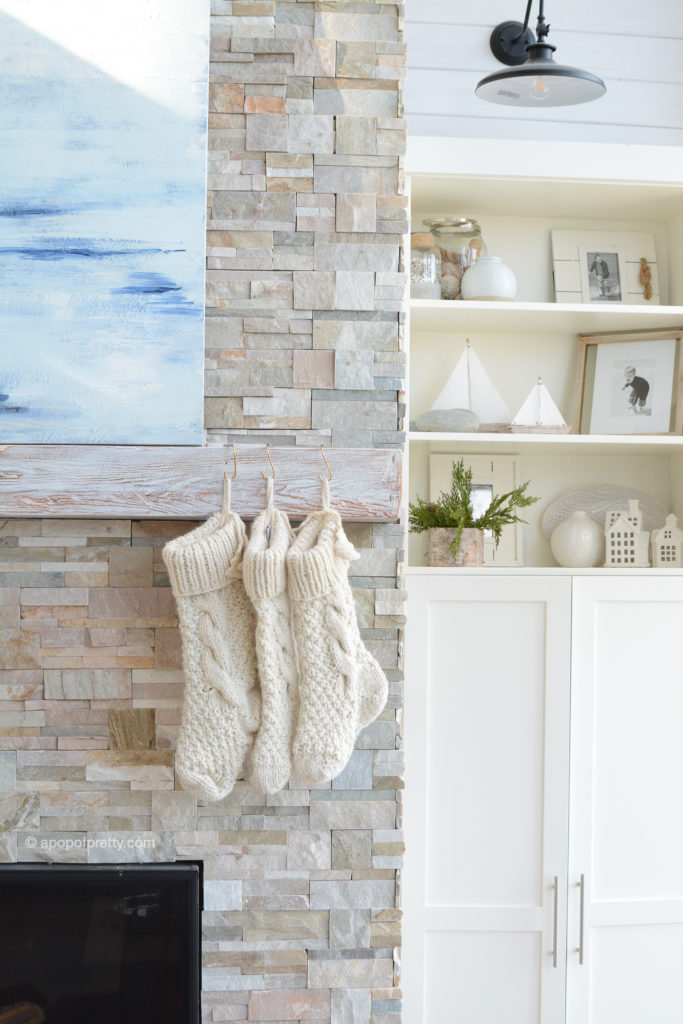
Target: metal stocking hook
263,472
234,462
227,483
322,452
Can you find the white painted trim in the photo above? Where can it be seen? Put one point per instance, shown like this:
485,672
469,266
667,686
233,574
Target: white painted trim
562,161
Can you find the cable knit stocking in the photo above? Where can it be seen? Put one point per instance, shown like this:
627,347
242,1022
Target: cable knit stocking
264,581
221,709
342,688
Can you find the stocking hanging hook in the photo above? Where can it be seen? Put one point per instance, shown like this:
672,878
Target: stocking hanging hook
263,473
322,452
234,463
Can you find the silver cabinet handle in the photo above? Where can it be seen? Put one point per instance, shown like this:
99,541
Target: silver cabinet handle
555,887
581,902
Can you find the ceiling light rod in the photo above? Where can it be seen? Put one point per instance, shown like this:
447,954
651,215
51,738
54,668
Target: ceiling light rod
536,78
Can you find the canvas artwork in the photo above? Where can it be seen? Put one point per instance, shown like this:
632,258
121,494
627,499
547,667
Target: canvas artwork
102,220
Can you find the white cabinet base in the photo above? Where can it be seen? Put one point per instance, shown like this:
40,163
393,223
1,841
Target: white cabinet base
489,819
487,713
626,819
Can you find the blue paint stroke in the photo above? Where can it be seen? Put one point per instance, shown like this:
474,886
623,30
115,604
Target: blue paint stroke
148,284
60,253
31,211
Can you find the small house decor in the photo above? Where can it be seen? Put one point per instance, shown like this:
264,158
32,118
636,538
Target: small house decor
626,543
456,533
667,544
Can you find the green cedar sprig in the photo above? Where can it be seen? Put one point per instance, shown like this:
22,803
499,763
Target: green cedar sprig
453,509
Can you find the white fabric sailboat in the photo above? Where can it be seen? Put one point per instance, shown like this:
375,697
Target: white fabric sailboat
539,414
470,387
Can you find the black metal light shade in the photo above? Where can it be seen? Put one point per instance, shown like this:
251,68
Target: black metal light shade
535,79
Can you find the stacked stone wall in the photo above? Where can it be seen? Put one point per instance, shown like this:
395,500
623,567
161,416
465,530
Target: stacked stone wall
304,346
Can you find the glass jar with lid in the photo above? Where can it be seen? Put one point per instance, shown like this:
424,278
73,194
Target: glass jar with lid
460,243
425,267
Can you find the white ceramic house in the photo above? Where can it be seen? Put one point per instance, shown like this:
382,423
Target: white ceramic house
626,543
634,515
667,544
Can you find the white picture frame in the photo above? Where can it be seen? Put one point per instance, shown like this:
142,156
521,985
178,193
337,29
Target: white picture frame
491,474
633,387
573,253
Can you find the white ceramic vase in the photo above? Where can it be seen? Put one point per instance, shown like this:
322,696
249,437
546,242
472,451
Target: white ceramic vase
578,541
489,278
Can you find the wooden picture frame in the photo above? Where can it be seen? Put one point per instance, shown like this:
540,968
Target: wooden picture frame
634,403
496,474
574,253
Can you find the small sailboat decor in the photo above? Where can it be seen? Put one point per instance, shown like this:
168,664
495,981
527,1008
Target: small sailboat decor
468,400
538,414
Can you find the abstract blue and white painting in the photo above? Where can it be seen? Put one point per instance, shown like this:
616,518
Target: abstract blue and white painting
103,122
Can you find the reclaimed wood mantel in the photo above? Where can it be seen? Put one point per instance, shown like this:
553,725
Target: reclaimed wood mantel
129,482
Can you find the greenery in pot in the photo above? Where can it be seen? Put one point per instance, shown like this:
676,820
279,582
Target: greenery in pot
453,509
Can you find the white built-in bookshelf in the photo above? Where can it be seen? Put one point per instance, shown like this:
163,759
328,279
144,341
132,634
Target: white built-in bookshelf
519,192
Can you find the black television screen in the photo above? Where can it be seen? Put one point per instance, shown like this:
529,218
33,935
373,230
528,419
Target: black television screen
100,944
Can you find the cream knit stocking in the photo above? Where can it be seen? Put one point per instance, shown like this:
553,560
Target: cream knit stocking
342,688
264,582
221,709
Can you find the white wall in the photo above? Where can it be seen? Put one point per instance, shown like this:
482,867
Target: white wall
636,46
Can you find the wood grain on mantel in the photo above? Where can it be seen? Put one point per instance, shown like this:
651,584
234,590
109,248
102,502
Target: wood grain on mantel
117,482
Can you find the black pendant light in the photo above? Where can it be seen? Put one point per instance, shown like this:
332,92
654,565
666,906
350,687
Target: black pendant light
535,80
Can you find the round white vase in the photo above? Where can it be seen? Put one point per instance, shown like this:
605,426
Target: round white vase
488,278
578,541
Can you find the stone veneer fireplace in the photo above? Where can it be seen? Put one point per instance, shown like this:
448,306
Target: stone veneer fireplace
304,344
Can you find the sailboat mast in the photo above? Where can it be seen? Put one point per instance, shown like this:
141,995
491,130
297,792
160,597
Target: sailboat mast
469,385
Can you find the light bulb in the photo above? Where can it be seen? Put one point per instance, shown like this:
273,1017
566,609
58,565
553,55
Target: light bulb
539,89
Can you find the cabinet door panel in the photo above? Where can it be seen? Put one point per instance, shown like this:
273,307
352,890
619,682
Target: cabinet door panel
626,829
485,725
636,975
487,712
638,700
459,971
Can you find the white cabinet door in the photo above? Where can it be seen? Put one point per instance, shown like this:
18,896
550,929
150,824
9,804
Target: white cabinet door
487,764
626,817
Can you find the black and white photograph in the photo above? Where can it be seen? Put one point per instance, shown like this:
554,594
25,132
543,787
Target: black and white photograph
633,387
604,277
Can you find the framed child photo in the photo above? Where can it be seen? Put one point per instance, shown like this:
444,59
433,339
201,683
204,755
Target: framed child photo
605,267
602,273
629,384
